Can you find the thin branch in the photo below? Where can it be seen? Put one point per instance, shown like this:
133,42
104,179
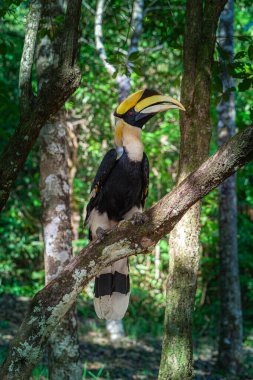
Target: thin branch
99,37
51,304
154,49
25,73
89,8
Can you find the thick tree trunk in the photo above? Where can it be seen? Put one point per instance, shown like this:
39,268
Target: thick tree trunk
62,80
63,346
199,40
51,304
230,339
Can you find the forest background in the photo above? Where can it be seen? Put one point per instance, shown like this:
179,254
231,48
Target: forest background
157,64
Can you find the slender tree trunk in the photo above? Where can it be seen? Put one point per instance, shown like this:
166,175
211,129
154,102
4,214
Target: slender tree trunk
63,348
230,339
63,344
199,41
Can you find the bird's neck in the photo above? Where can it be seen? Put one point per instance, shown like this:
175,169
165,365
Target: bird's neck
130,138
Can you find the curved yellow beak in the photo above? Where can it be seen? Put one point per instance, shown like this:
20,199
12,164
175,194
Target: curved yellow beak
157,103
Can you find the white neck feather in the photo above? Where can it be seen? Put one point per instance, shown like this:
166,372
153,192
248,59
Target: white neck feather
131,141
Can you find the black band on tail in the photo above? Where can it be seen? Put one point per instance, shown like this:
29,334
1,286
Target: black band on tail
108,283
121,283
103,285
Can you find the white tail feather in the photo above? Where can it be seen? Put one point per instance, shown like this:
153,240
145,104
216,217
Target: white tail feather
113,307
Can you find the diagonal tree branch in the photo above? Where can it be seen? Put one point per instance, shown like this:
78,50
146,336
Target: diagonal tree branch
62,81
51,303
26,64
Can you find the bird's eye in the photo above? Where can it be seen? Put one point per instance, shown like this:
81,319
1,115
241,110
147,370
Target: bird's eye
130,112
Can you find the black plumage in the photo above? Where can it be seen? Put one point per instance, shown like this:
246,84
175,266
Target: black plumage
119,185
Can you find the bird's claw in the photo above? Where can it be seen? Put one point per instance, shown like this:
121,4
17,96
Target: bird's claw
100,232
139,218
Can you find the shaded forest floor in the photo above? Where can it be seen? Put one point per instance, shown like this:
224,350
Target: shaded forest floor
133,359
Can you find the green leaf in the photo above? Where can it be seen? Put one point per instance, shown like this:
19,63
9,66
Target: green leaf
3,48
244,38
223,53
134,56
251,113
92,375
216,68
138,70
114,75
59,19
245,85
7,5
237,70
116,59
218,85
250,52
240,54
100,371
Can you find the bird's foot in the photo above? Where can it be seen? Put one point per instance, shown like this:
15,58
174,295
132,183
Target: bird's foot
139,218
100,233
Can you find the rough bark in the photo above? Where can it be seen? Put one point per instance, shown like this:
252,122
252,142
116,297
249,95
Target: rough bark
26,64
72,138
63,80
230,336
51,304
199,40
63,347
116,328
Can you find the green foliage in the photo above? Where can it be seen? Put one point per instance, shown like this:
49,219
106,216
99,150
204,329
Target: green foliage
90,375
8,6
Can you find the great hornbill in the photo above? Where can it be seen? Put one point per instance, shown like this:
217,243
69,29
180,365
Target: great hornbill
119,190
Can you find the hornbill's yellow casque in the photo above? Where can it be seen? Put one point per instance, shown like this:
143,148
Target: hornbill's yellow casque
119,190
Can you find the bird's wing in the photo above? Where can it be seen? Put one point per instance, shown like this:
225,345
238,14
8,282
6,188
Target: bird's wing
104,170
145,178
